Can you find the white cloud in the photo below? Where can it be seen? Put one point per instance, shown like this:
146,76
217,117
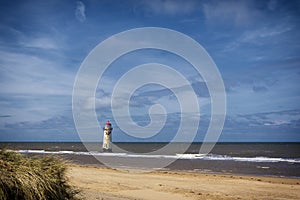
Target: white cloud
276,123
100,103
258,36
42,43
265,32
239,13
35,88
28,74
80,11
170,7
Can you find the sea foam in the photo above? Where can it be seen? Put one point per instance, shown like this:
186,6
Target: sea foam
175,156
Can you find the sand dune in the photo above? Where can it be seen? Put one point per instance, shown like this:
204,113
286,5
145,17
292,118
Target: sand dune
104,183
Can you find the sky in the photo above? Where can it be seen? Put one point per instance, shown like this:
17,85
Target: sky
254,44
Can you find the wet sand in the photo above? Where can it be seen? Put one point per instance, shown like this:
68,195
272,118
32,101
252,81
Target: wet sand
104,183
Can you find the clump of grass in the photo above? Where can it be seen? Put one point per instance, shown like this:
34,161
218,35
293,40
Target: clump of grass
32,178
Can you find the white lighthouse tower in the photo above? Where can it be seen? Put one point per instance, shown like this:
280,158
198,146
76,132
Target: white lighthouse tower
107,130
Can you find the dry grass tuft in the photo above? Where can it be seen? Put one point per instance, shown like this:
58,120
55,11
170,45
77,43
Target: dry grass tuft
33,178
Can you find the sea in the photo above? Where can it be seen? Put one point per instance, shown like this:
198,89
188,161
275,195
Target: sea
266,159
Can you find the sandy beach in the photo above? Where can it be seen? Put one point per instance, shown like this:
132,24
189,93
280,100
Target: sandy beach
112,184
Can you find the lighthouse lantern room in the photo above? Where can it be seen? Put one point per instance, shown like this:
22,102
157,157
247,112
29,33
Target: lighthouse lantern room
107,131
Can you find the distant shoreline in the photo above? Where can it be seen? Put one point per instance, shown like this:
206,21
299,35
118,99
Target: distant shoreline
196,166
264,159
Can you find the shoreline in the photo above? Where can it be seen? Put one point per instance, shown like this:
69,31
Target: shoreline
268,159
277,169
163,170
100,182
187,172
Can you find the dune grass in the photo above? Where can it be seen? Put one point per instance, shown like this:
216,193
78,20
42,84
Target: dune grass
32,178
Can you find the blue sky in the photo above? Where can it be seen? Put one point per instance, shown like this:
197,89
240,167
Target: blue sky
255,45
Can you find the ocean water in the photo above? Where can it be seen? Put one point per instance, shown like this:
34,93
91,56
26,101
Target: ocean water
269,159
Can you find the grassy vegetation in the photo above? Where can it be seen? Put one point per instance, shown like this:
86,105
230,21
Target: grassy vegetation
33,178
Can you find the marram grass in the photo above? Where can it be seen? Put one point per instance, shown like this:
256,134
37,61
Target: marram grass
32,178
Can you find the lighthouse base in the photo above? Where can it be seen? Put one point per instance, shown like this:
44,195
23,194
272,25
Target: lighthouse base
106,150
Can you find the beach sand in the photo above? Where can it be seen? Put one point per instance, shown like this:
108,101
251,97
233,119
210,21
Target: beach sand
112,184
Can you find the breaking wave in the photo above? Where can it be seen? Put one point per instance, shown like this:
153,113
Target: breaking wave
176,156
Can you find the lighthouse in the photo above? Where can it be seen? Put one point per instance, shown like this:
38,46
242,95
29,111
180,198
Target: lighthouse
107,130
